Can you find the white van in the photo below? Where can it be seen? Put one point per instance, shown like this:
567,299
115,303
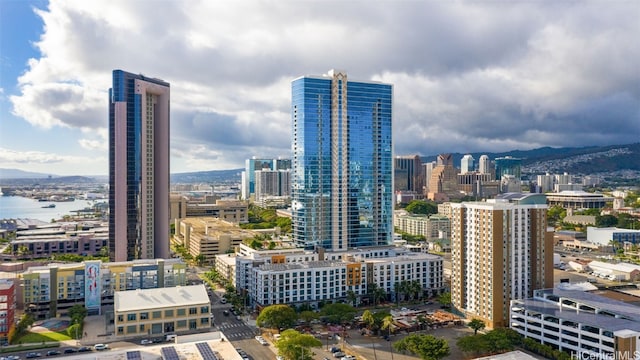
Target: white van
171,337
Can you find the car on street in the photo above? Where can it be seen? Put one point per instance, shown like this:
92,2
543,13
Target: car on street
53,353
225,313
261,340
84,349
100,347
145,342
70,351
335,349
33,355
348,357
338,355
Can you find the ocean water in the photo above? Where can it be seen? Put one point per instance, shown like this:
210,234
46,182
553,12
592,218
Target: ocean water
14,207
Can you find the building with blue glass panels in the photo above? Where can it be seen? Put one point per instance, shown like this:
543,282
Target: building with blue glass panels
138,167
508,166
342,166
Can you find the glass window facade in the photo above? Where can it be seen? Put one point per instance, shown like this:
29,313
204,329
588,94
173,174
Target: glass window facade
342,162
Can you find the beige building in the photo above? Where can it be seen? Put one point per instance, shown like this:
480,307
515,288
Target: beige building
209,236
443,183
225,265
500,250
161,311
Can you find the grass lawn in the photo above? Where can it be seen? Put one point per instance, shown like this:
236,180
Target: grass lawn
44,336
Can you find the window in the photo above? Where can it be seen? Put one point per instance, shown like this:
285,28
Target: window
204,310
168,313
204,321
120,330
144,315
181,312
131,317
120,318
131,329
193,311
182,324
157,314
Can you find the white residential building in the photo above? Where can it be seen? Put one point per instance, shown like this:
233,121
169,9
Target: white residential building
585,325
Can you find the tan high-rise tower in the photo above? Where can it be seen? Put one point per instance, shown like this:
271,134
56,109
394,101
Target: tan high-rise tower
500,250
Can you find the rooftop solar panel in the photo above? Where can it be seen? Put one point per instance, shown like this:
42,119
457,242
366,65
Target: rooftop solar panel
169,353
134,355
205,351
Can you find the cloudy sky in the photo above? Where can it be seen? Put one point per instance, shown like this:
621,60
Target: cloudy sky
468,75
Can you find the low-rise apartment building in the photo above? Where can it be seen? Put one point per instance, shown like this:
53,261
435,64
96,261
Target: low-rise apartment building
585,325
160,311
209,236
49,291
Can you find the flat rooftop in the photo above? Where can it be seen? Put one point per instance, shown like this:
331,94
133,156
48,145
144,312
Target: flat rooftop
143,299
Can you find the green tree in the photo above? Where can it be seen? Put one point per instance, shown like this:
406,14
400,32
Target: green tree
338,313
77,312
293,345
277,317
427,347
472,344
476,324
606,221
445,299
376,293
422,207
200,259
307,316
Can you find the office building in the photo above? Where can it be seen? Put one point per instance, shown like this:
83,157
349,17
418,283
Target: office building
138,167
50,290
427,171
7,307
577,200
342,193
467,164
408,174
484,165
582,324
500,250
443,183
146,312
508,166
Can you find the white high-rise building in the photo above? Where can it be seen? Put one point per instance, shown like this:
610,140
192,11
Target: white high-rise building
467,164
484,165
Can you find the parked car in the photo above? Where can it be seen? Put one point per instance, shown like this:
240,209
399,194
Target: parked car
261,340
145,342
70,351
84,349
348,357
338,354
100,347
53,353
33,355
335,349
225,313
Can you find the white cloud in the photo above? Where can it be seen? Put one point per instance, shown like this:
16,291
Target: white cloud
467,76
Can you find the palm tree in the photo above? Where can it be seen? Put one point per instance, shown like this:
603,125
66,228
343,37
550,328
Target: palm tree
351,297
387,323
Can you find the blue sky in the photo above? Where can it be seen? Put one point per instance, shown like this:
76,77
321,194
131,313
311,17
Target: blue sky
467,76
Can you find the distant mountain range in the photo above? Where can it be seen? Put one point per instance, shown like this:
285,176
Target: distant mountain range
575,160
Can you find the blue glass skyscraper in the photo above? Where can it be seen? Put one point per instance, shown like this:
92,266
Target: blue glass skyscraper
138,167
341,181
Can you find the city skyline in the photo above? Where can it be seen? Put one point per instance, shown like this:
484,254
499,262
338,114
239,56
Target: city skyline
519,76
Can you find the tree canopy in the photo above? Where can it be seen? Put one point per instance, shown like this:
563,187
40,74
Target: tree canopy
293,345
277,317
427,347
338,313
476,324
422,207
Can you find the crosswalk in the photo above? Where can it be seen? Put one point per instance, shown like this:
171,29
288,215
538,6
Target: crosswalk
228,330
